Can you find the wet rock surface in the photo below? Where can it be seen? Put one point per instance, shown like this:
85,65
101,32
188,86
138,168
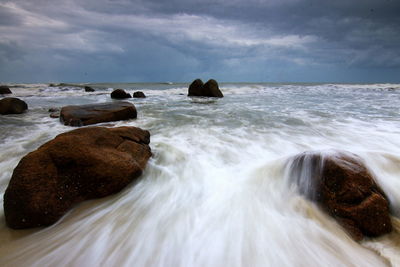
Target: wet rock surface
209,89
346,189
120,94
12,105
82,115
82,164
5,90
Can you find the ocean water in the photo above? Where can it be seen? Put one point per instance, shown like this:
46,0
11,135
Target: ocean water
217,190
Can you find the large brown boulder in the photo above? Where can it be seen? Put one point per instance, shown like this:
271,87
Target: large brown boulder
120,94
209,89
12,105
346,189
83,164
96,113
5,90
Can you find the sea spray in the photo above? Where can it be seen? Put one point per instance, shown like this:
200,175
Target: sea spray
214,192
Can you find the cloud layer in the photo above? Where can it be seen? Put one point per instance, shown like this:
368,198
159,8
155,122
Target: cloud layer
178,40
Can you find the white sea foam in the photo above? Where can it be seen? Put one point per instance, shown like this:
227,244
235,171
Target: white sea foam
215,192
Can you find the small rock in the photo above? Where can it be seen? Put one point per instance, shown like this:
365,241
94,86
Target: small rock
55,115
5,90
12,105
120,94
89,89
139,94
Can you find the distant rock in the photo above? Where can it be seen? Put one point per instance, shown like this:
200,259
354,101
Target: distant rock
209,89
346,189
195,88
96,113
89,89
120,94
12,105
139,94
5,90
52,85
83,164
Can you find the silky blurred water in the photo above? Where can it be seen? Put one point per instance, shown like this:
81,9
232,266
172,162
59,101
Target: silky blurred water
216,191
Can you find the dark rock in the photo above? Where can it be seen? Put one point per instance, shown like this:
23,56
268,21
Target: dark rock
5,90
209,89
83,164
139,94
97,113
12,105
346,189
120,94
89,89
195,88
52,85
55,115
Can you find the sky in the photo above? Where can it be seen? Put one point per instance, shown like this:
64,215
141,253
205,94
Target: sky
346,41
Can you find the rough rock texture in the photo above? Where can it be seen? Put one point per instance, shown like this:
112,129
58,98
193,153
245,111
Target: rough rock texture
5,90
89,89
12,105
210,89
345,188
139,94
120,94
82,164
96,113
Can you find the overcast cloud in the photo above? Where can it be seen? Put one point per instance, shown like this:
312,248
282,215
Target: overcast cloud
180,40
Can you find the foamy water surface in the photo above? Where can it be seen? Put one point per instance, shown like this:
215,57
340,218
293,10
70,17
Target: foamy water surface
216,191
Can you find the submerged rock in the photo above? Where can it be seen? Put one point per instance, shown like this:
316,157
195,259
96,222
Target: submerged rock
82,164
346,189
210,88
139,94
120,94
12,105
89,89
97,113
5,90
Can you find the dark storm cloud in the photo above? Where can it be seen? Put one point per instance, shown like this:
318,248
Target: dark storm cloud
253,40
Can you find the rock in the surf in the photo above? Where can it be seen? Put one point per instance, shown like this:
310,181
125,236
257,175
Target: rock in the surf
89,89
96,113
209,89
120,94
195,88
139,94
346,189
5,90
12,105
82,164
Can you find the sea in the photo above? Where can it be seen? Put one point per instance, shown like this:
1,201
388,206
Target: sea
217,190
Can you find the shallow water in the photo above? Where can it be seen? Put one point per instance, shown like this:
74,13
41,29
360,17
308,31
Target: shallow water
216,192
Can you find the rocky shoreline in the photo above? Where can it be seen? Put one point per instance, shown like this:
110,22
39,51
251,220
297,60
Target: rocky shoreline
93,162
